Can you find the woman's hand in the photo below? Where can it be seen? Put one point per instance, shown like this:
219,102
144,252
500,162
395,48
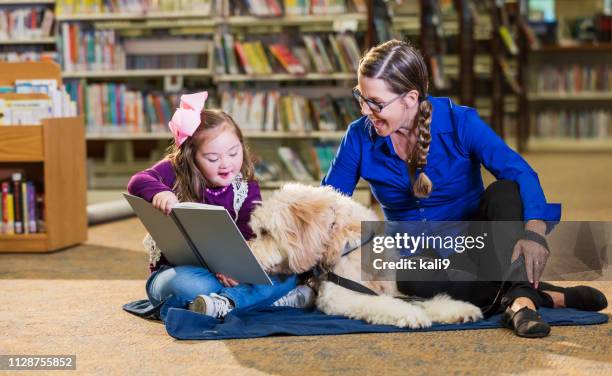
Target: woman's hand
226,281
535,259
165,201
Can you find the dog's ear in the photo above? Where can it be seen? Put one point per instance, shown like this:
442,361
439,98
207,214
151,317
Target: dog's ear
313,226
346,229
307,212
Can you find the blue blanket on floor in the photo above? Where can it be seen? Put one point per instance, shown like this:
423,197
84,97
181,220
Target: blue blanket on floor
275,321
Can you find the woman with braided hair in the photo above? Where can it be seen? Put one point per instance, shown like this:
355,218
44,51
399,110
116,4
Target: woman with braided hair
422,157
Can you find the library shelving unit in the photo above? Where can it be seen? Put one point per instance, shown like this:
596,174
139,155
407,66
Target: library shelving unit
461,37
27,37
53,156
123,151
573,60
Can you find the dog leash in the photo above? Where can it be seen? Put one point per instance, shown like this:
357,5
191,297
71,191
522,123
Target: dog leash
341,281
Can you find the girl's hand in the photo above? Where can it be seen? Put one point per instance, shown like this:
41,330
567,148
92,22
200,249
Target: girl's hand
165,201
226,281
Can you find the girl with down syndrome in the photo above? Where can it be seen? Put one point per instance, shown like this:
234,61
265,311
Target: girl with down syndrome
422,157
208,163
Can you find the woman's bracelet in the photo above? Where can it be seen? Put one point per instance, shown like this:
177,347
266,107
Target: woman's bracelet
534,236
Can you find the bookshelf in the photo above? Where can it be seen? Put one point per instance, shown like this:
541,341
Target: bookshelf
566,76
459,36
53,156
117,151
26,31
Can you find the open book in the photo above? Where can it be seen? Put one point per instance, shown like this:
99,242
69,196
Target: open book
201,235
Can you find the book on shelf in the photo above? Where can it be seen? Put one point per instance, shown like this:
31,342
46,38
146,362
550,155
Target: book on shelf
19,210
27,102
277,8
230,56
114,108
532,38
83,47
509,75
264,8
584,124
26,54
253,57
573,78
25,111
318,54
221,64
267,170
288,60
319,7
508,40
272,116
324,114
276,54
294,164
296,7
29,23
324,153
271,111
348,109
61,103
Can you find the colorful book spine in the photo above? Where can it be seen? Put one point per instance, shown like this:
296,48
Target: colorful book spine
7,226
8,215
24,208
31,200
40,208
17,202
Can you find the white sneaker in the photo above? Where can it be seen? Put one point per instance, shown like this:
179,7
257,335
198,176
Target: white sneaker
300,297
213,305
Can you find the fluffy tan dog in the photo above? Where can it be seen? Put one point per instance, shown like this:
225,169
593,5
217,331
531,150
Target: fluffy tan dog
301,226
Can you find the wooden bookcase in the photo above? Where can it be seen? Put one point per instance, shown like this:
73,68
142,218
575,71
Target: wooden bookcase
52,155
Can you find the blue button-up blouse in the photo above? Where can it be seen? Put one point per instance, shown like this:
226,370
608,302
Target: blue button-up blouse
461,142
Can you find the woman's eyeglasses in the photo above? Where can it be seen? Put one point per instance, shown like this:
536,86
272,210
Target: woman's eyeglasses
372,105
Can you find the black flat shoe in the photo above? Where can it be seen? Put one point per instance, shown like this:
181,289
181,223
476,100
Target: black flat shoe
525,323
584,298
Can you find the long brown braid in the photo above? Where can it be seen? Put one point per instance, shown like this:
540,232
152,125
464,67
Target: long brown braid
403,69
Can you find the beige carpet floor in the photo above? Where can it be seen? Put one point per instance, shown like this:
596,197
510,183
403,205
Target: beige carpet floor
69,302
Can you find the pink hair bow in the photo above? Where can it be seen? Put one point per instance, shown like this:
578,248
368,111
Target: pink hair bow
186,118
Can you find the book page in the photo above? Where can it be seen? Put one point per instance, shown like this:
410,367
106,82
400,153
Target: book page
197,205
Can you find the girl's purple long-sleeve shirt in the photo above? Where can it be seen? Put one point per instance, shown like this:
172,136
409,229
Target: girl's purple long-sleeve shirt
161,177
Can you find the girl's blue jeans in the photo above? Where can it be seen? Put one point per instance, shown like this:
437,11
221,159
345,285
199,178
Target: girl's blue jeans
186,282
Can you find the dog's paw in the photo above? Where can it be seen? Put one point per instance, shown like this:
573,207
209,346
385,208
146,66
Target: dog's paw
445,310
468,313
413,317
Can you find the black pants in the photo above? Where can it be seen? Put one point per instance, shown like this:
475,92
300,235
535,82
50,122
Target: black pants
501,201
